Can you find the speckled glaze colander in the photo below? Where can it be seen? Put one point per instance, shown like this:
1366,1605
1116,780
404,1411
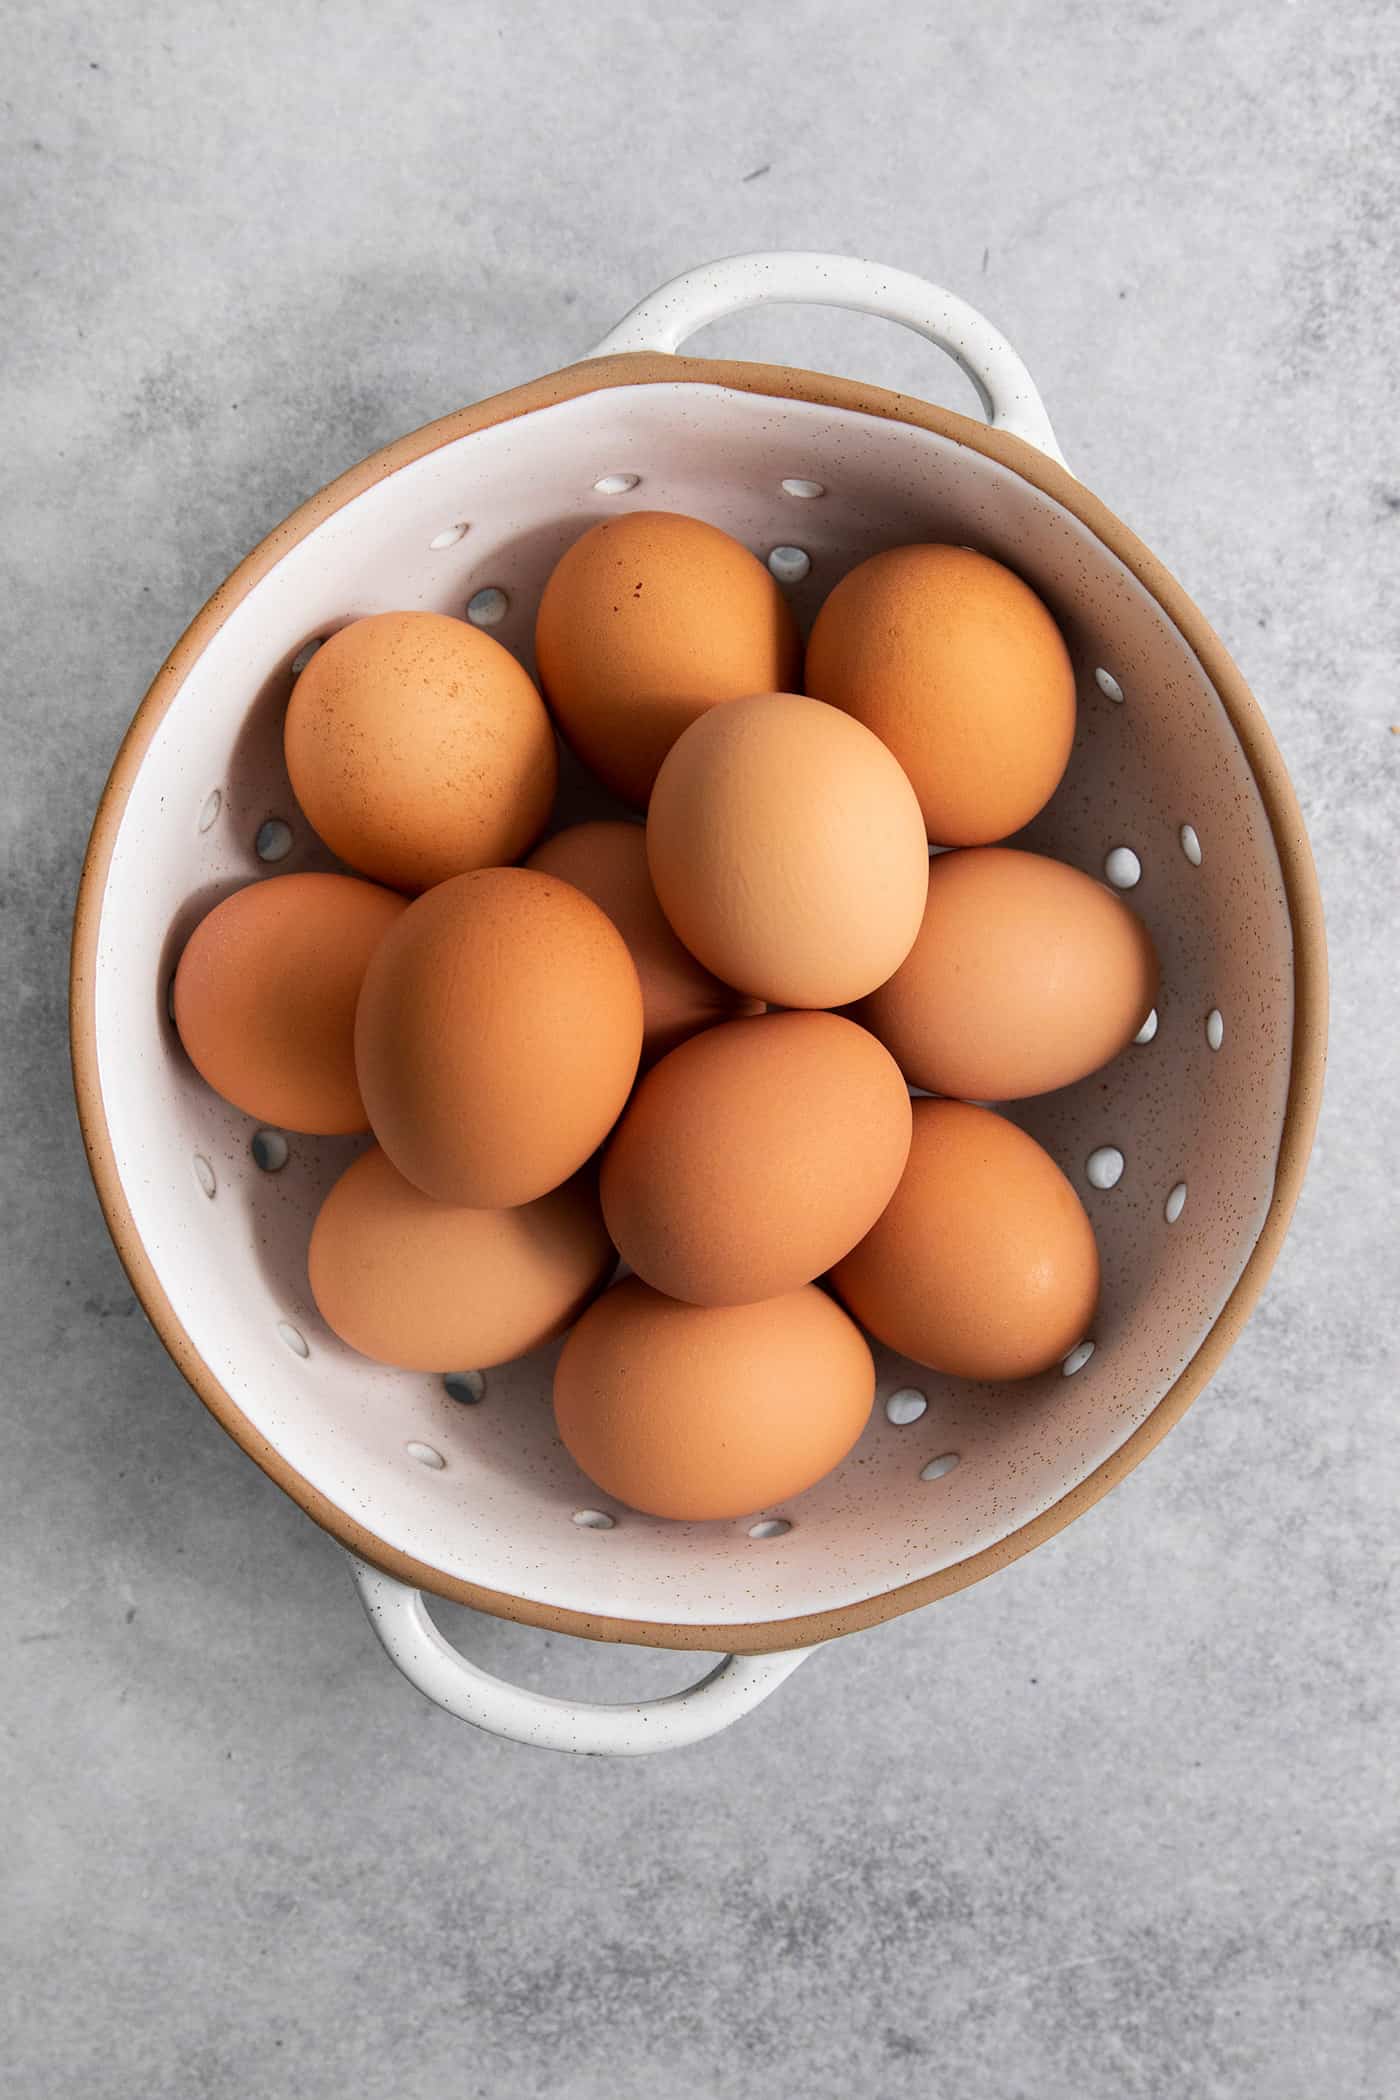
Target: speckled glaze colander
1188,1150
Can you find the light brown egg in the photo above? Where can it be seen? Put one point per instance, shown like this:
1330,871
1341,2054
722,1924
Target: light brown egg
1026,975
788,851
497,1037
646,622
699,1412
956,664
755,1156
984,1264
265,993
608,862
436,1287
418,748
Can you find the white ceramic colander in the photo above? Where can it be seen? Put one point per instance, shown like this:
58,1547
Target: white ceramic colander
1188,1151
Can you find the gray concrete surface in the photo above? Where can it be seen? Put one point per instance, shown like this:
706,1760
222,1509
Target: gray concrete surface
1122,1821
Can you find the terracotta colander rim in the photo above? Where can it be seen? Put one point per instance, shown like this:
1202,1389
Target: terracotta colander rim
1307,1050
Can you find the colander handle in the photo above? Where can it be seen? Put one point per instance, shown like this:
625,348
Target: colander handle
1004,386
733,1688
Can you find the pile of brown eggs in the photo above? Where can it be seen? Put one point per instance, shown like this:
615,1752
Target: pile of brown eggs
690,1043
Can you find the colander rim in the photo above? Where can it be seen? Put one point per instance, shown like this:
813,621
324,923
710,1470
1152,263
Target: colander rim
1302,893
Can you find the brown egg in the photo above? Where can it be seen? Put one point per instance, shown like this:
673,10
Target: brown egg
418,748
608,862
984,1264
646,622
497,1036
960,669
755,1156
265,994
1026,975
436,1287
787,850
700,1412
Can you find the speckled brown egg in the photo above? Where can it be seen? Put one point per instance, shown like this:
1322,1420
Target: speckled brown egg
265,993
788,851
704,1412
648,620
418,748
434,1286
983,1265
755,1156
958,666
497,1037
608,862
1026,975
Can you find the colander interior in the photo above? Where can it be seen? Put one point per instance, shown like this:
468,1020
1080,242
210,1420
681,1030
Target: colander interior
1185,1126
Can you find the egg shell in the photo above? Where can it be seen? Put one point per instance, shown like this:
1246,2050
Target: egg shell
788,851
957,665
648,620
497,1036
608,862
700,1412
419,748
1026,975
265,994
434,1286
983,1265
755,1156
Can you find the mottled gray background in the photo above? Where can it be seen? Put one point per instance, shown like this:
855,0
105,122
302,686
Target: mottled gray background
1120,1822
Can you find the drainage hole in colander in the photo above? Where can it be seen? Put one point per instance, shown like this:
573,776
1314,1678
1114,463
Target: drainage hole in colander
1104,1167
209,814
1078,1356
594,1520
769,1528
1191,845
270,1150
905,1406
487,608
274,840
206,1177
789,564
1175,1203
305,654
294,1338
1215,1028
937,1467
447,538
615,484
467,1388
806,490
1148,1028
426,1455
1109,686
1123,868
